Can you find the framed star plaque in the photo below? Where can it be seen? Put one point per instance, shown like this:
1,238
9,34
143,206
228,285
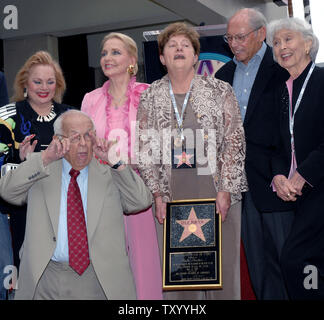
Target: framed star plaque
192,246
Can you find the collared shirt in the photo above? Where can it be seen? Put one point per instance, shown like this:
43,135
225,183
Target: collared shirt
244,78
61,253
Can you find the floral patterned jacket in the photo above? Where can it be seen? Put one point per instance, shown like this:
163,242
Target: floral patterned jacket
215,106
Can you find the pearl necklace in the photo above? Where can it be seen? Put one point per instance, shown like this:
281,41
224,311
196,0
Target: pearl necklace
49,117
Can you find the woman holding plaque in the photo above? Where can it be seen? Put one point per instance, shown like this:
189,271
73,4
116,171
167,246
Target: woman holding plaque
205,156
298,167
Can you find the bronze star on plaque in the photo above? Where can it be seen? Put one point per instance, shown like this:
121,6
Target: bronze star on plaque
192,226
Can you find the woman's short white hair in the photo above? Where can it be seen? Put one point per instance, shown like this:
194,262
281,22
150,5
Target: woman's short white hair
58,123
294,24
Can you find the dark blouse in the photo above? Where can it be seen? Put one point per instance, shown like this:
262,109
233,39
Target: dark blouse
19,120
308,128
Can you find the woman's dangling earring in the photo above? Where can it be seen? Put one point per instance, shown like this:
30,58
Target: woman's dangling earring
25,93
131,69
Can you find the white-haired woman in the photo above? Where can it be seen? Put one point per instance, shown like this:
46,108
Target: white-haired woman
298,168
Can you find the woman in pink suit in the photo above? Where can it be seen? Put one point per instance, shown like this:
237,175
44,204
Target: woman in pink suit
113,108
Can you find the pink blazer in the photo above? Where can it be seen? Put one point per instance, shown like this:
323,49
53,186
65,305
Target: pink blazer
95,103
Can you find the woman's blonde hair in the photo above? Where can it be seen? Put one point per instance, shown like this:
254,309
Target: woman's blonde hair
128,42
39,58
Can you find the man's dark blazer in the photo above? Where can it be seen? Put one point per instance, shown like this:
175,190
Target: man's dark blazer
261,125
3,91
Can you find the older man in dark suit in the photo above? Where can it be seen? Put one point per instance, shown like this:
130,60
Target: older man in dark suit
266,219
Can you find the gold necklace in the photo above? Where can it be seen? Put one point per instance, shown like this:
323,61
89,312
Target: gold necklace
117,101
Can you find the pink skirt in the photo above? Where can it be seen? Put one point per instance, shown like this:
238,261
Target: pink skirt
143,253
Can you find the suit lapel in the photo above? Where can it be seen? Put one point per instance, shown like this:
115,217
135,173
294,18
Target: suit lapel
97,191
261,80
52,193
228,76
97,186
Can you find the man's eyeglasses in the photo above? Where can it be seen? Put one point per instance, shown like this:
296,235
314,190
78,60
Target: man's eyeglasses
77,138
240,38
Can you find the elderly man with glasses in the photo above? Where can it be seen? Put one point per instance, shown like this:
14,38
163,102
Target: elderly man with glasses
266,219
74,247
